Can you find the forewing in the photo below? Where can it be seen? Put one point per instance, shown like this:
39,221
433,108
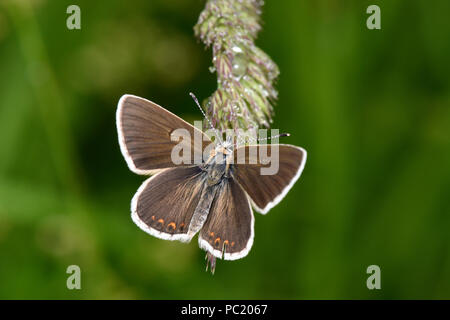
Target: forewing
229,229
266,191
164,204
145,130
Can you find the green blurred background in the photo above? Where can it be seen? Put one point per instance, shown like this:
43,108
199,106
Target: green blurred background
371,107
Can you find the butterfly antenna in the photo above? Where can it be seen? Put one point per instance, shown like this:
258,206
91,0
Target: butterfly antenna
273,137
204,115
251,139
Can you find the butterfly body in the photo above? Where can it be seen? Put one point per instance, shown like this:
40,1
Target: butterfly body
213,198
203,207
216,171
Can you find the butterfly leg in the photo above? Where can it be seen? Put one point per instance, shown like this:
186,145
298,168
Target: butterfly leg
210,260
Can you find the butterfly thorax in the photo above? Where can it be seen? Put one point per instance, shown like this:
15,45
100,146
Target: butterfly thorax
218,165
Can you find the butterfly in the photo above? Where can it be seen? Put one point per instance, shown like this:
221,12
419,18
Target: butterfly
213,197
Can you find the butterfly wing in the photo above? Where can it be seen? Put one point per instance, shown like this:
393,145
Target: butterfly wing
145,130
266,191
165,203
228,231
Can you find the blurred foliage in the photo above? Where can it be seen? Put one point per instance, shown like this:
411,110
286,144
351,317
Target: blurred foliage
371,107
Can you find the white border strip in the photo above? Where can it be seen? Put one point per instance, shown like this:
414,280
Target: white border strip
123,147
141,224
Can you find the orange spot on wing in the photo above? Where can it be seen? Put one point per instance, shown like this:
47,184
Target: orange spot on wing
211,234
182,226
225,245
217,241
161,221
232,243
153,218
172,226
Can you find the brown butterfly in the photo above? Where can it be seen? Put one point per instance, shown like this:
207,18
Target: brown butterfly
214,197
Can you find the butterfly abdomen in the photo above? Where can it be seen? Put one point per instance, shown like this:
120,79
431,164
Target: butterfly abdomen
202,210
